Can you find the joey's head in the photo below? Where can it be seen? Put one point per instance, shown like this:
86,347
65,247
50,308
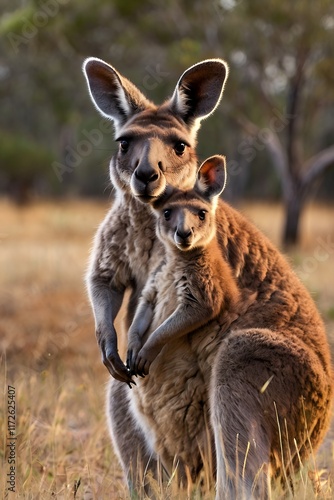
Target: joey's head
186,219
156,143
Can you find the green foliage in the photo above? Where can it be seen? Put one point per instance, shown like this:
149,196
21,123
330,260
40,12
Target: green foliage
13,22
128,8
330,313
23,159
44,43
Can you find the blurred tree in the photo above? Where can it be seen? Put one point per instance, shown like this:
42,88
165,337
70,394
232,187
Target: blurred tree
23,164
277,108
285,57
281,83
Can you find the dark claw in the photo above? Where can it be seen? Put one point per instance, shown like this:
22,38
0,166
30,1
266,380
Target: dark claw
129,360
140,369
115,365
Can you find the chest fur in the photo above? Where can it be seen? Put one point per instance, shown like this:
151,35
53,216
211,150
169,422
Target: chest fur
172,403
126,247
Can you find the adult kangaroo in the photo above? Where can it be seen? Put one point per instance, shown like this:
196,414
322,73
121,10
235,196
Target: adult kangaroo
257,393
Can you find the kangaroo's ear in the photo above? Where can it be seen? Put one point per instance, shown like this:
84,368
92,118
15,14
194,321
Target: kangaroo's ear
199,90
211,179
113,95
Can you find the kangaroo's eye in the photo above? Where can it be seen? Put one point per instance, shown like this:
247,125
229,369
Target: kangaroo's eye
179,148
167,213
124,145
201,214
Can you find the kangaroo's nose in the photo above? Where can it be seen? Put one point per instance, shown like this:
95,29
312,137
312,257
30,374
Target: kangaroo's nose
183,233
146,174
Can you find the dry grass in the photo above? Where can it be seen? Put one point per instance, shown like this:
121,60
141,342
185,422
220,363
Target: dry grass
51,358
51,355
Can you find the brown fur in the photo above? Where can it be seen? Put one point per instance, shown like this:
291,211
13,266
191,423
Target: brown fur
280,339
194,284
265,383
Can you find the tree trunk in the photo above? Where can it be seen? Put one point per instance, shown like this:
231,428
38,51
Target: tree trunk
293,209
297,178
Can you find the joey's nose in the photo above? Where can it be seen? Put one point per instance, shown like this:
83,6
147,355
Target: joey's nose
183,233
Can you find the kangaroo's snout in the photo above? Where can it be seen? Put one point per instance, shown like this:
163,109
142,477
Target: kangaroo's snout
183,237
147,179
146,174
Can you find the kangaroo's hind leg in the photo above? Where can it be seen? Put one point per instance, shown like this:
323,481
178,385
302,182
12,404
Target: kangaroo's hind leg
129,441
242,445
269,396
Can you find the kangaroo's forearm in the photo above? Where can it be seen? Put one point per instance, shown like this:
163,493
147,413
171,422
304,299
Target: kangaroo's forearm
142,320
106,303
184,320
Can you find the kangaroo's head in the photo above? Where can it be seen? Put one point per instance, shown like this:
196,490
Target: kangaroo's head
156,143
186,219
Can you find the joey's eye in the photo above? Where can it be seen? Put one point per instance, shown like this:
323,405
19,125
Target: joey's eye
201,214
167,213
179,148
124,145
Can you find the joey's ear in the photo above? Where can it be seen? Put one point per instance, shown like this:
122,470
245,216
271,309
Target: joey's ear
113,95
211,179
199,90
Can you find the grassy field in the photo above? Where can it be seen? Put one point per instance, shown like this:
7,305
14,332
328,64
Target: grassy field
49,354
